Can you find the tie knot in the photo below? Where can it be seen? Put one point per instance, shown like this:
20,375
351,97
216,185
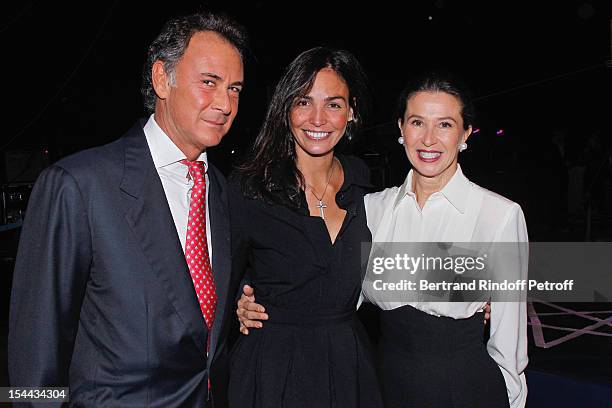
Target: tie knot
196,170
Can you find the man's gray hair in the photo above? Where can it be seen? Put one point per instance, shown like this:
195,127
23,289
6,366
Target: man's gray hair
170,45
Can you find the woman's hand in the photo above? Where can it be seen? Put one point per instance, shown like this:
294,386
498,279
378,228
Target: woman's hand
250,313
487,312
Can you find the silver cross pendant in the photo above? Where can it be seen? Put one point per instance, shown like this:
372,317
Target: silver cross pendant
321,206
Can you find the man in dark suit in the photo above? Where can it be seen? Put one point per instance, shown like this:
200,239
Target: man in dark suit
121,286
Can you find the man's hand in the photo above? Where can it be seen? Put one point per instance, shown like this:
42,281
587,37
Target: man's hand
249,313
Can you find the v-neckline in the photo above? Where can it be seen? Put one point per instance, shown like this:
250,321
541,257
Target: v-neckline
342,227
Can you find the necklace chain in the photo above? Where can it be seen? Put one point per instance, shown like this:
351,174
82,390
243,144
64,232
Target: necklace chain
329,177
321,206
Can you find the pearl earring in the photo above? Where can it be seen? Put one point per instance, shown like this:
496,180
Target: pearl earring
462,146
400,140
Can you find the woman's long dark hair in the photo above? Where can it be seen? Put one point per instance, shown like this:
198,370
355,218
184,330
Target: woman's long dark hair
271,172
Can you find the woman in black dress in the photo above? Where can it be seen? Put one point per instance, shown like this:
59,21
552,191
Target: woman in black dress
432,353
298,225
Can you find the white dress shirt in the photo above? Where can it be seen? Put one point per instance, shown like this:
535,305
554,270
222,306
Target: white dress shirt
175,179
461,212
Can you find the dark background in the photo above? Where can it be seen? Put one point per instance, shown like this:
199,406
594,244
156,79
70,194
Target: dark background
540,71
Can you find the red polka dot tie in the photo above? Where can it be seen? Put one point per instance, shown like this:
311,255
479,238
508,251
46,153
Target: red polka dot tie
196,244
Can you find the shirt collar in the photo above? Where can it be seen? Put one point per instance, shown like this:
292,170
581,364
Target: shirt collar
163,149
353,174
455,191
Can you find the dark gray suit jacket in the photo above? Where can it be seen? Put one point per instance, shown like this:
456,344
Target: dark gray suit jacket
102,299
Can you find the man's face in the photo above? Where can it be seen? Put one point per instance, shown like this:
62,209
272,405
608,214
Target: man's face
197,105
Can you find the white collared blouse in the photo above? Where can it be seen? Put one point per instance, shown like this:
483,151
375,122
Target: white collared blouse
461,212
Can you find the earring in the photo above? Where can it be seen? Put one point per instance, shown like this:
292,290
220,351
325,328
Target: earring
462,146
400,140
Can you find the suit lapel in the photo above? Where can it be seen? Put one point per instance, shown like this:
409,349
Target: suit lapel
151,221
220,236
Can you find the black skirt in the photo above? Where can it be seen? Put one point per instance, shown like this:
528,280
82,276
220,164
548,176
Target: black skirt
437,362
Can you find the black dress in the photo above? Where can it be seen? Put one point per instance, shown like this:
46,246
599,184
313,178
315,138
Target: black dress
313,351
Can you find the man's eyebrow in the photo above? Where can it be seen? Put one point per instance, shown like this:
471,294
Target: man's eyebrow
218,77
211,74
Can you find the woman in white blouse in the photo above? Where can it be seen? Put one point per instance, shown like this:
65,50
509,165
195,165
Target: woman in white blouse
432,353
